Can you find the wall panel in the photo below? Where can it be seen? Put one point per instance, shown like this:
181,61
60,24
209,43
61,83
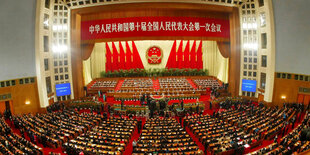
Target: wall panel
20,94
288,88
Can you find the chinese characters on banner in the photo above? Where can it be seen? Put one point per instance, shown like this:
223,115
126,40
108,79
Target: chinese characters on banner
154,26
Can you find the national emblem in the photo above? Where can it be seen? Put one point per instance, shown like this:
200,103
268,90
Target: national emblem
154,55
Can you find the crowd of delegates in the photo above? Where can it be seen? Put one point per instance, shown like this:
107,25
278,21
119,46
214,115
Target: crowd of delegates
241,125
53,129
260,120
12,144
297,106
174,83
217,135
110,137
134,88
138,83
297,141
55,107
104,84
164,135
207,83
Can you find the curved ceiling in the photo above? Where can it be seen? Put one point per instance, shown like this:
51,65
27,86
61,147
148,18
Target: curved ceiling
72,4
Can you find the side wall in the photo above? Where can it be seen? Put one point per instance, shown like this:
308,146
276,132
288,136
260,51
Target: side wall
287,88
20,94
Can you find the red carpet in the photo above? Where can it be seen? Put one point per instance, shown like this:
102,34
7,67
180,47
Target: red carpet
190,81
156,85
196,140
119,85
135,136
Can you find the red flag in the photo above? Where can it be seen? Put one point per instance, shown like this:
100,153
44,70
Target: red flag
108,64
136,57
193,55
199,57
115,57
128,63
186,56
180,56
122,56
172,57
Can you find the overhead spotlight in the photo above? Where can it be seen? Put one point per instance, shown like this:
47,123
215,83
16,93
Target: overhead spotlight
253,46
59,48
27,102
283,97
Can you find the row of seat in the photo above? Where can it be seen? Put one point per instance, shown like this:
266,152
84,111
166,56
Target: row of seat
207,83
164,136
138,83
238,128
53,129
11,143
110,137
104,84
147,83
296,141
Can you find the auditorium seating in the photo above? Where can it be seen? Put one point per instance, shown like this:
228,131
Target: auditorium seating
217,135
137,83
110,137
176,87
236,127
11,143
168,83
266,121
53,129
163,136
102,83
207,83
295,141
241,125
134,88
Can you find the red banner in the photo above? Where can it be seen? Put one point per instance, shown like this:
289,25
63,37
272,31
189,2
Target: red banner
154,26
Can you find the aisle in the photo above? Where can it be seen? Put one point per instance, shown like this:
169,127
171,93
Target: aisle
190,81
156,85
135,136
119,85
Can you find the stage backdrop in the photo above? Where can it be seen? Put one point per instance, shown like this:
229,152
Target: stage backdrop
156,54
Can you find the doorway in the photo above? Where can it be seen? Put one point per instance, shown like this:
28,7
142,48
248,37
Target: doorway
6,105
303,98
